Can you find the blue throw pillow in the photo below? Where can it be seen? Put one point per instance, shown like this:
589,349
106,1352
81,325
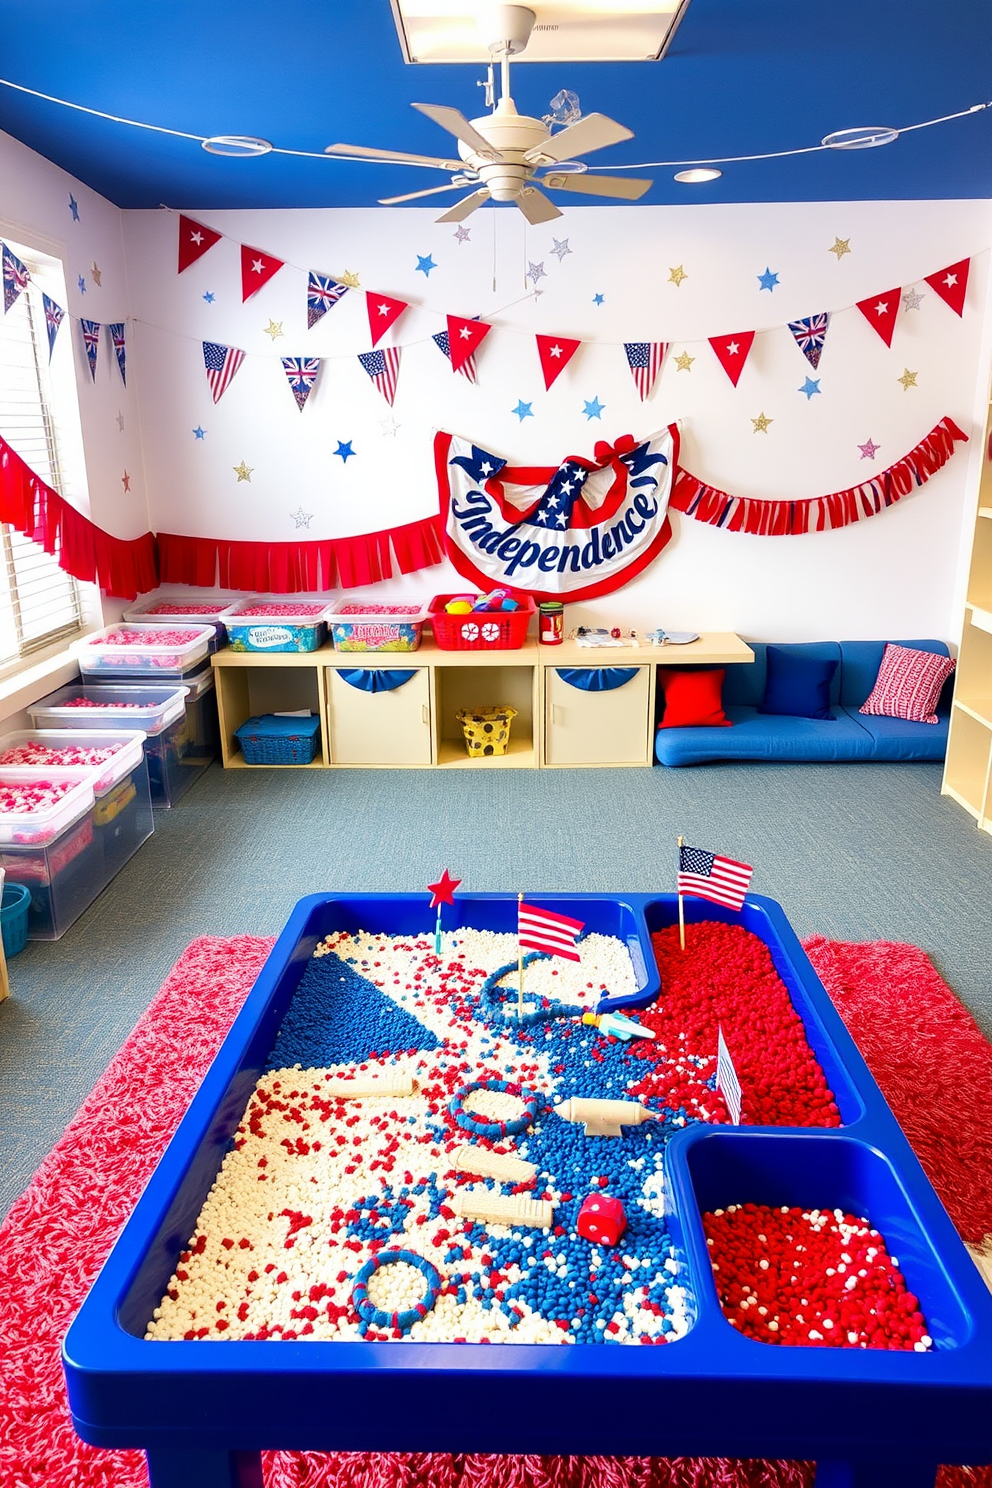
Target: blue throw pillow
798,686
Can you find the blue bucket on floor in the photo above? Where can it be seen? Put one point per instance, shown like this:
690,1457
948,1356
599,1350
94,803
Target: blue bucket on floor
14,918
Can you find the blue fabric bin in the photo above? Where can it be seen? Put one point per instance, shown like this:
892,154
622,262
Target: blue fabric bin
273,740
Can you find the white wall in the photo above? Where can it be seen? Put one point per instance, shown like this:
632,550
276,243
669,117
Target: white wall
894,575
35,210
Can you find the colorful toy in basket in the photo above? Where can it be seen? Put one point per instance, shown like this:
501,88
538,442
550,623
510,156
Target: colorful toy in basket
264,624
368,625
491,622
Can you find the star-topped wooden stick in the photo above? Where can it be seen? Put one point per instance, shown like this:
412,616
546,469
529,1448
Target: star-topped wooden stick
442,892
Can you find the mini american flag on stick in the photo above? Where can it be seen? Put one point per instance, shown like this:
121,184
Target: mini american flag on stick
644,358
727,1082
708,876
543,930
221,363
383,367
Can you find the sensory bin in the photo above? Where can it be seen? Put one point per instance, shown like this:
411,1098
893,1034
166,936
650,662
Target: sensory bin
367,625
302,1233
263,624
110,755
139,650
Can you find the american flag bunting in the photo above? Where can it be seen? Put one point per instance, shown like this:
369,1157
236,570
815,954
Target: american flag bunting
708,876
383,367
644,358
468,367
301,373
543,930
221,363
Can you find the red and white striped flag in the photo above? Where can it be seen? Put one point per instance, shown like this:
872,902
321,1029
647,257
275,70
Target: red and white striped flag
542,930
221,363
709,876
644,358
383,367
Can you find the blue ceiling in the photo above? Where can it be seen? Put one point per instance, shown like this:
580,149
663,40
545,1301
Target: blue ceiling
742,77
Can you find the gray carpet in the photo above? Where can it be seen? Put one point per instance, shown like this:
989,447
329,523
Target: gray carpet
854,852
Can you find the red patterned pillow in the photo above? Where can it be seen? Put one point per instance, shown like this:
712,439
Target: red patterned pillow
908,684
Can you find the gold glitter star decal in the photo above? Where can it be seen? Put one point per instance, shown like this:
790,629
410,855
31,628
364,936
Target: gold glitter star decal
684,362
840,246
350,279
97,273
676,275
243,471
761,424
908,379
273,329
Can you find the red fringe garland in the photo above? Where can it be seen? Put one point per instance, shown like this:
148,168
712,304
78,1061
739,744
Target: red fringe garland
291,568
695,498
125,569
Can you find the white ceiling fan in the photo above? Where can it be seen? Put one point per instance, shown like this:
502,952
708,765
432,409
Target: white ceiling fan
501,153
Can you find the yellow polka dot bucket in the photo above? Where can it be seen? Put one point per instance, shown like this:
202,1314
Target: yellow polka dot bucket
486,730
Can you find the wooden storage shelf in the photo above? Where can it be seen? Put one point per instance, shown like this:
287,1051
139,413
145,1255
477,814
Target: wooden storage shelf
414,726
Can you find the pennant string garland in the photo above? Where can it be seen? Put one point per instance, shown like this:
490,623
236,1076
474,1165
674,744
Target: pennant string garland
301,373
257,268
464,339
221,363
765,518
383,367
383,313
644,358
91,343
810,334
194,240
555,353
732,352
951,284
468,367
322,293
117,340
880,311
54,316
15,277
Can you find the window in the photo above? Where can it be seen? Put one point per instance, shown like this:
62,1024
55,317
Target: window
40,606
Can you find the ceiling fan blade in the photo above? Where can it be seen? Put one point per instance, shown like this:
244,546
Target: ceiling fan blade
594,132
629,187
457,124
465,207
365,152
536,207
391,201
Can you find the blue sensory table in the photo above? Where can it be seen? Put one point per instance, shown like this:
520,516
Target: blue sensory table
204,1410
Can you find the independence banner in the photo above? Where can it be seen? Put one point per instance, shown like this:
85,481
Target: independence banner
570,532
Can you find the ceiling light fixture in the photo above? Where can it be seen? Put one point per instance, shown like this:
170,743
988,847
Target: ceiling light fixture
865,137
697,175
237,146
564,30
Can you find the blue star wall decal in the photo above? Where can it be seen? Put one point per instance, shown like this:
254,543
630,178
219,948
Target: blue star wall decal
809,387
198,433
73,207
594,409
209,296
768,280
344,450
523,410
424,265
82,284
598,299
560,250
535,271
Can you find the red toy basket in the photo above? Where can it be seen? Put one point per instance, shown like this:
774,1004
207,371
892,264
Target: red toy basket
491,630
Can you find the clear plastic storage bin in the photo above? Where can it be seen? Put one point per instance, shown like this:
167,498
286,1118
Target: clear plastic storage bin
182,609
144,650
202,726
359,624
270,622
52,849
123,818
42,822
109,755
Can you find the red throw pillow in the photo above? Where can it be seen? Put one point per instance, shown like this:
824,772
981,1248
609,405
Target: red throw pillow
908,684
692,699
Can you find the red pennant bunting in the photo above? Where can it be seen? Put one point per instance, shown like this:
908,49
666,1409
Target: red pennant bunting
257,268
881,311
732,353
951,284
383,312
194,240
464,338
555,353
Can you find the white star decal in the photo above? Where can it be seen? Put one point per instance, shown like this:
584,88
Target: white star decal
732,348
465,333
555,351
882,308
257,266
383,309
196,237
950,279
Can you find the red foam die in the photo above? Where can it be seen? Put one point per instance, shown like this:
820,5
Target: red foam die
601,1219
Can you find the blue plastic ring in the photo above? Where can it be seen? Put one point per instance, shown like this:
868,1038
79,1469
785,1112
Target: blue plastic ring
376,1316
478,1125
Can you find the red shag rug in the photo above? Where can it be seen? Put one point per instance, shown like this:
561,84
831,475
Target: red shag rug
927,1054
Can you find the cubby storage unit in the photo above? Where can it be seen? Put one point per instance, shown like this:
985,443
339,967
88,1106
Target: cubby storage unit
865,1416
416,725
968,765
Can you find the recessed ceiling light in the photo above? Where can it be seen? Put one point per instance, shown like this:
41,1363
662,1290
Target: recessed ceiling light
237,146
698,174
865,137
